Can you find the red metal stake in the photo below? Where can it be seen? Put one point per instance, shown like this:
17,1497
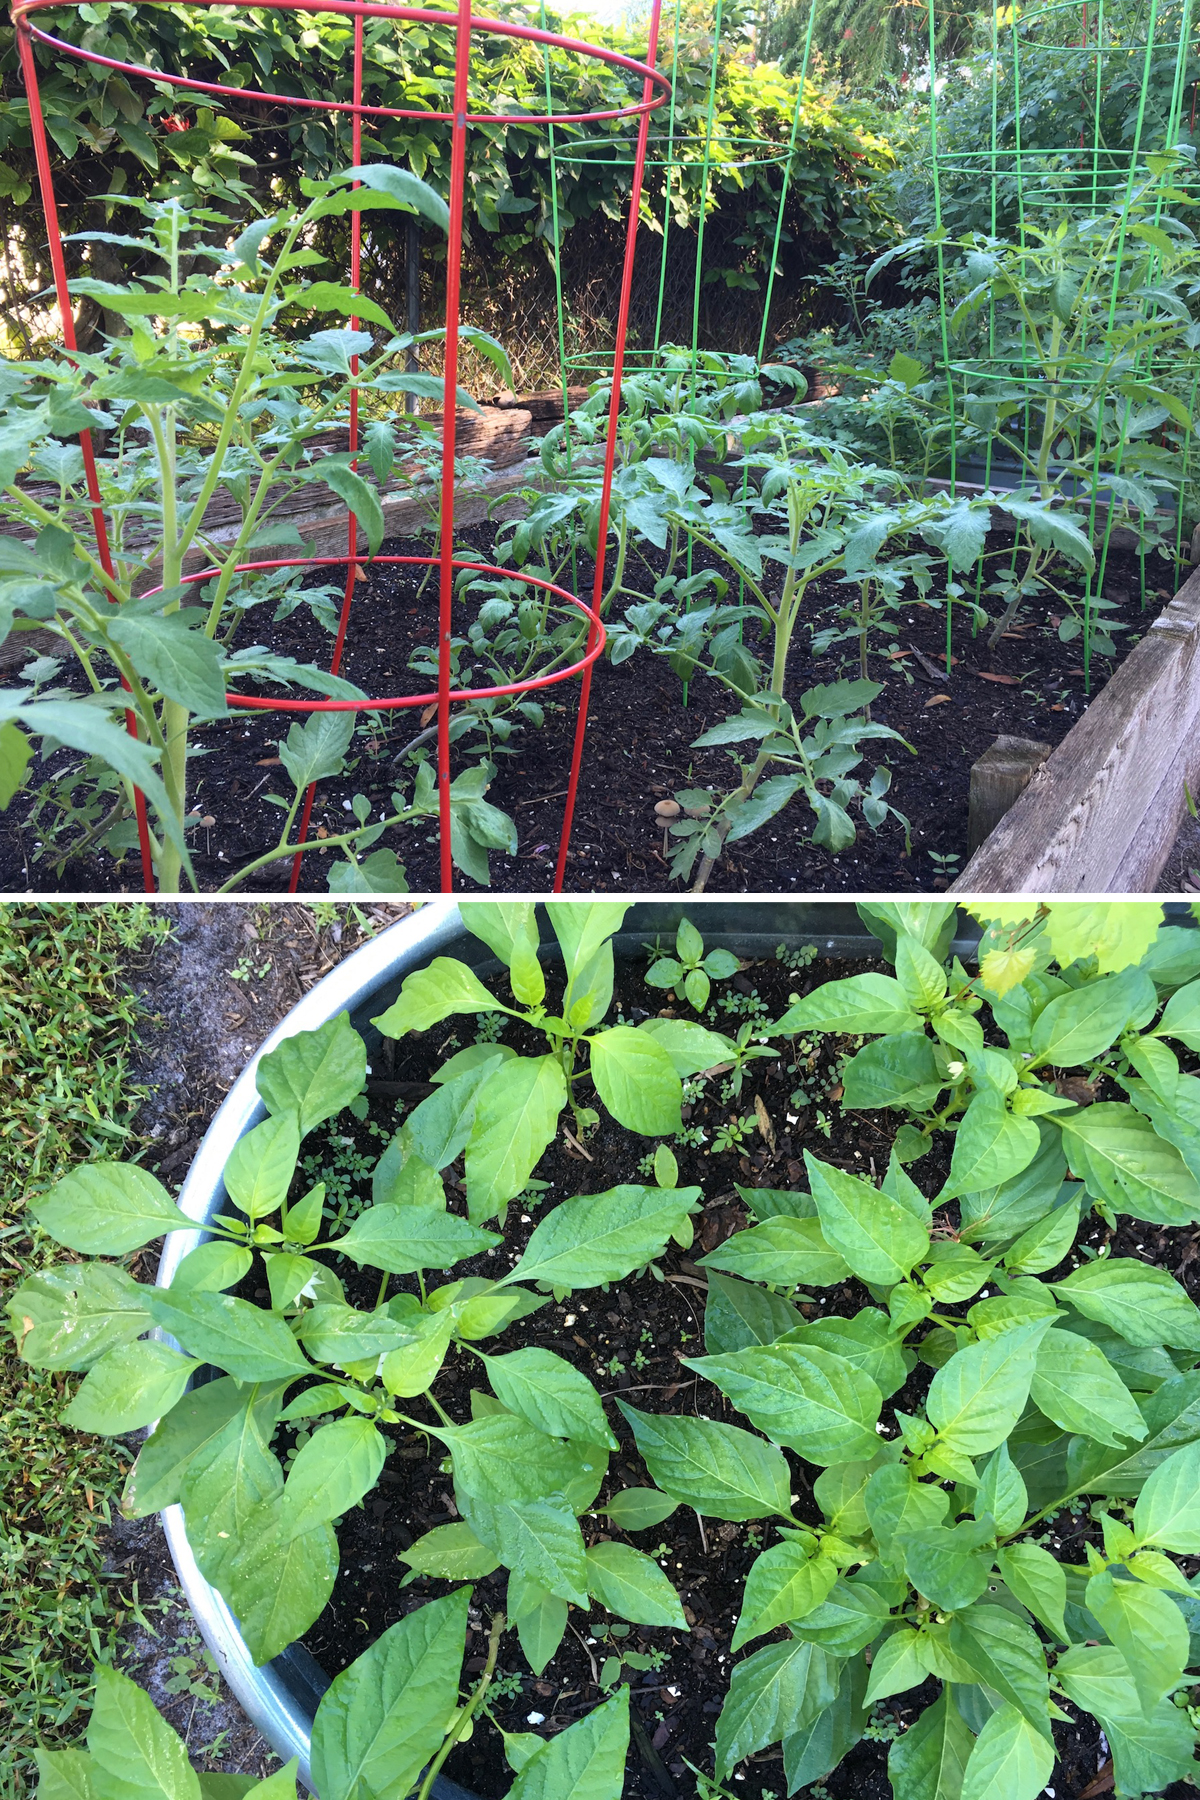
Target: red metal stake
41,151
458,181
352,544
610,450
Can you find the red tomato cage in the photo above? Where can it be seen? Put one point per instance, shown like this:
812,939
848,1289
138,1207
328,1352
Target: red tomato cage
655,90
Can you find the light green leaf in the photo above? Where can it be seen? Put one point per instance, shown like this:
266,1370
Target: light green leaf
784,1583
898,1070
258,1171
501,1458
775,1692
1002,1493
1181,1017
930,1760
129,1387
71,1316
691,1047
639,1509
1079,1025
1149,1750
1122,1159
782,1250
1147,1628
896,1668
737,1313
991,1146
879,1238
978,1396
896,1505
550,1394
1044,1245
332,1471
215,1266
433,994
383,1717
516,1116
451,1553
278,1590
538,1539
1077,1387
401,186
86,728
540,1618
130,1742
817,1748
1011,1760
1034,1577
403,1239
174,656
240,1338
586,1761
314,1073
947,1563
719,1470
1143,1304
920,975
318,749
636,1080
632,1586
196,1427
804,1398
863,1004
866,1341
1008,1657
1168,1507
603,1237
64,1774
108,1209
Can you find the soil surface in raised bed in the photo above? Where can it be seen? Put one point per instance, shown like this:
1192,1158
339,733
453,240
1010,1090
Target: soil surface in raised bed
630,1342
638,749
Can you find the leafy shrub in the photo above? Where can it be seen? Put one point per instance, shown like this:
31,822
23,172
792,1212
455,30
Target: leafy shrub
116,137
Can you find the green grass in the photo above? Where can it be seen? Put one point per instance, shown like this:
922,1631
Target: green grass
68,1027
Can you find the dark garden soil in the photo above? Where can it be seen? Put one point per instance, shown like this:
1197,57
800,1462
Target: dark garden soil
630,1342
637,752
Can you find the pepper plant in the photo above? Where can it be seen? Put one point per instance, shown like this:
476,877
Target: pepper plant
214,390
504,1107
535,1455
385,1725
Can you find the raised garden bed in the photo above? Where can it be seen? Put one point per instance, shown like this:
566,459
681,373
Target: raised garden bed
639,746
1102,814
669,1674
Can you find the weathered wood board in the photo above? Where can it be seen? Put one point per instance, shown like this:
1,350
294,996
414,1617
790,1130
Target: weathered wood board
1101,814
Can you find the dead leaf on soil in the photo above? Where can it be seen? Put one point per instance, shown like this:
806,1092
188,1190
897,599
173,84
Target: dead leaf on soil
765,1128
428,713
937,700
990,675
269,762
1103,1784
